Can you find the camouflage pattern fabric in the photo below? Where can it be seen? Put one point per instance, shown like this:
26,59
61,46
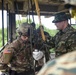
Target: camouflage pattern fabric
44,46
65,41
64,65
22,57
40,41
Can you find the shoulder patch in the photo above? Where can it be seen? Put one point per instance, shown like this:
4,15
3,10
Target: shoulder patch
7,51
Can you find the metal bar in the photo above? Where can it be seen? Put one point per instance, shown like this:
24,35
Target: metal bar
28,11
32,11
10,26
3,22
7,19
17,10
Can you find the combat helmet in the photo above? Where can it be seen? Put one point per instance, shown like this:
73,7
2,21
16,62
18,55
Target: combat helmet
24,29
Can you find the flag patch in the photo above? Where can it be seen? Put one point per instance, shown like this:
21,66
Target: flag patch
7,51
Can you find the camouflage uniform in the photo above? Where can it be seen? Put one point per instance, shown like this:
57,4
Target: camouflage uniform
18,54
46,45
40,42
22,55
65,40
64,65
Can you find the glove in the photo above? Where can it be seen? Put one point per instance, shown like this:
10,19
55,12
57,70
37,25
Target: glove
37,54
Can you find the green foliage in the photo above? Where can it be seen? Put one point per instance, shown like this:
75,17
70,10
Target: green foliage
5,36
74,26
18,22
52,50
52,32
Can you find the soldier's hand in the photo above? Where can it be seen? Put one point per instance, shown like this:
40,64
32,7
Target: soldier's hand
37,54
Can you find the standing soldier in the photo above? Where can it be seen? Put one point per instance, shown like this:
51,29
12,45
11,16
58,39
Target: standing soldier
66,64
18,54
65,39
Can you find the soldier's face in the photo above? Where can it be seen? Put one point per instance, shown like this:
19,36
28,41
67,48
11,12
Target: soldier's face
60,25
25,38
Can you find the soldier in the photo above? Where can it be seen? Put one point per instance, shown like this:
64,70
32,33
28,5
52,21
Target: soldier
65,40
48,38
46,45
64,65
18,54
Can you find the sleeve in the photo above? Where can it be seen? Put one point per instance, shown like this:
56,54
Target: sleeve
7,55
9,51
71,42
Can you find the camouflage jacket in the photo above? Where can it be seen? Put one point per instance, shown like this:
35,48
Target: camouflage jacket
65,41
22,55
64,65
40,44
